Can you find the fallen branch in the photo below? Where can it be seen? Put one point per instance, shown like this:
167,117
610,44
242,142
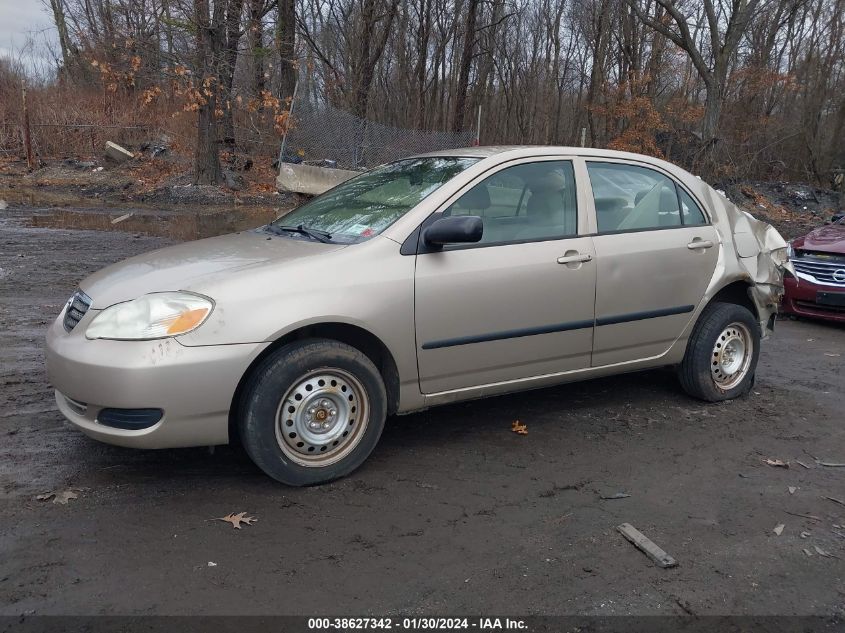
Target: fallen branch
804,516
646,545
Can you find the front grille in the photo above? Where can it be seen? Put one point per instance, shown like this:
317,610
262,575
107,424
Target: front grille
75,309
830,273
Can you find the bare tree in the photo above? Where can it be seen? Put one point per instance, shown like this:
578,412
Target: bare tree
760,81
726,25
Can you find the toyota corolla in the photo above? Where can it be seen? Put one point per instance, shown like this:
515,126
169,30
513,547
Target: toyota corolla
444,277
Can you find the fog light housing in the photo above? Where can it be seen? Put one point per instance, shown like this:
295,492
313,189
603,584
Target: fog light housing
129,419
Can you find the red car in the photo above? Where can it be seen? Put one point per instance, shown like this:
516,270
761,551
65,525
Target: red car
818,287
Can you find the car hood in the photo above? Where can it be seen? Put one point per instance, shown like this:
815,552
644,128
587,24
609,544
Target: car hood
186,265
829,239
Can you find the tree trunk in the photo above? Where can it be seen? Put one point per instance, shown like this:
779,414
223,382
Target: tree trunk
421,65
165,9
256,45
465,67
227,72
712,114
286,46
61,26
209,42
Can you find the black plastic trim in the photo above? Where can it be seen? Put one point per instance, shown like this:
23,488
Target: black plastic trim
129,419
557,327
641,316
647,230
506,334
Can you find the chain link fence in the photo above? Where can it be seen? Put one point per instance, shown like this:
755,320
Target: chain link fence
10,140
60,140
321,134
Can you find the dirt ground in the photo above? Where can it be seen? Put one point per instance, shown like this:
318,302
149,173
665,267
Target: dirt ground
453,513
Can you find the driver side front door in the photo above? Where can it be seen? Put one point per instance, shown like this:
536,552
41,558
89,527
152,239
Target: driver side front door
518,304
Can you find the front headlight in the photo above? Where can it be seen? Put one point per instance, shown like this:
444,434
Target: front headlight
157,315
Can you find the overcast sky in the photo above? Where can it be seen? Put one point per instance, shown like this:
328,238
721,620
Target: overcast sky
20,19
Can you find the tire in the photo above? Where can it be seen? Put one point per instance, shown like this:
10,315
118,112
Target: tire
718,364
312,412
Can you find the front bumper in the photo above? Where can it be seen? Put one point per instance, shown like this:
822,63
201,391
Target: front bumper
800,300
194,386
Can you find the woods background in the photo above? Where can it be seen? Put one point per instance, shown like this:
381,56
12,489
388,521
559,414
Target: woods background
726,88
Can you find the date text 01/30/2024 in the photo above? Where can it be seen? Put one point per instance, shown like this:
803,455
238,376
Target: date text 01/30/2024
416,623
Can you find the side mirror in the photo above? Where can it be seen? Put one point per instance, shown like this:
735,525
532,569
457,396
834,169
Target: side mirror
456,229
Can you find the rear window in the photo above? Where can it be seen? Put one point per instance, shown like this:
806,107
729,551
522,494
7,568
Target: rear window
635,198
630,198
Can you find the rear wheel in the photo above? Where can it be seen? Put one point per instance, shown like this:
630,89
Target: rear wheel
312,412
722,353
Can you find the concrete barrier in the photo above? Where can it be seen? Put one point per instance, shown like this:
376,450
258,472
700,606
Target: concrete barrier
309,179
117,153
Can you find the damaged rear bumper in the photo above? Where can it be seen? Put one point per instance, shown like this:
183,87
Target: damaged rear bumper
763,260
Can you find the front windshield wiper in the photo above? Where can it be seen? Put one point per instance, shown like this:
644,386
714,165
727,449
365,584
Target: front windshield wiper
316,234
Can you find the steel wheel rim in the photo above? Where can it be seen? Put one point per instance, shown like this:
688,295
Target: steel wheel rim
731,357
322,417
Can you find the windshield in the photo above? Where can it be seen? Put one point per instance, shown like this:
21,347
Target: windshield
364,206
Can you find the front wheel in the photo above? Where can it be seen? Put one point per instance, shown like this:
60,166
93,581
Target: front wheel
312,412
722,353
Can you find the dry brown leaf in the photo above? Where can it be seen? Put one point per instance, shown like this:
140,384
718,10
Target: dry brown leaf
519,428
777,463
237,519
59,496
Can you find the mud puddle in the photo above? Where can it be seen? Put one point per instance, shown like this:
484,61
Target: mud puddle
182,224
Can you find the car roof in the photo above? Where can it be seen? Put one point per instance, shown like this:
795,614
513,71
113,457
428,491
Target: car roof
487,151
502,153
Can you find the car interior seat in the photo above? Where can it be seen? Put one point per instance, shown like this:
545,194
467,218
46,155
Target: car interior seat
653,207
670,213
546,210
611,212
473,202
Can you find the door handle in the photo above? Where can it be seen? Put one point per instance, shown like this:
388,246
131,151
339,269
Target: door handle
697,243
577,258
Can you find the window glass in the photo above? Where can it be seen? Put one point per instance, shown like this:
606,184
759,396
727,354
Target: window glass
691,211
532,201
629,198
364,206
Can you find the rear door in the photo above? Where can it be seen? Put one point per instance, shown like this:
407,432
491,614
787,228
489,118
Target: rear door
655,253
520,302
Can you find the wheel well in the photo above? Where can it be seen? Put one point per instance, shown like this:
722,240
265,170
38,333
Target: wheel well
365,342
737,292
